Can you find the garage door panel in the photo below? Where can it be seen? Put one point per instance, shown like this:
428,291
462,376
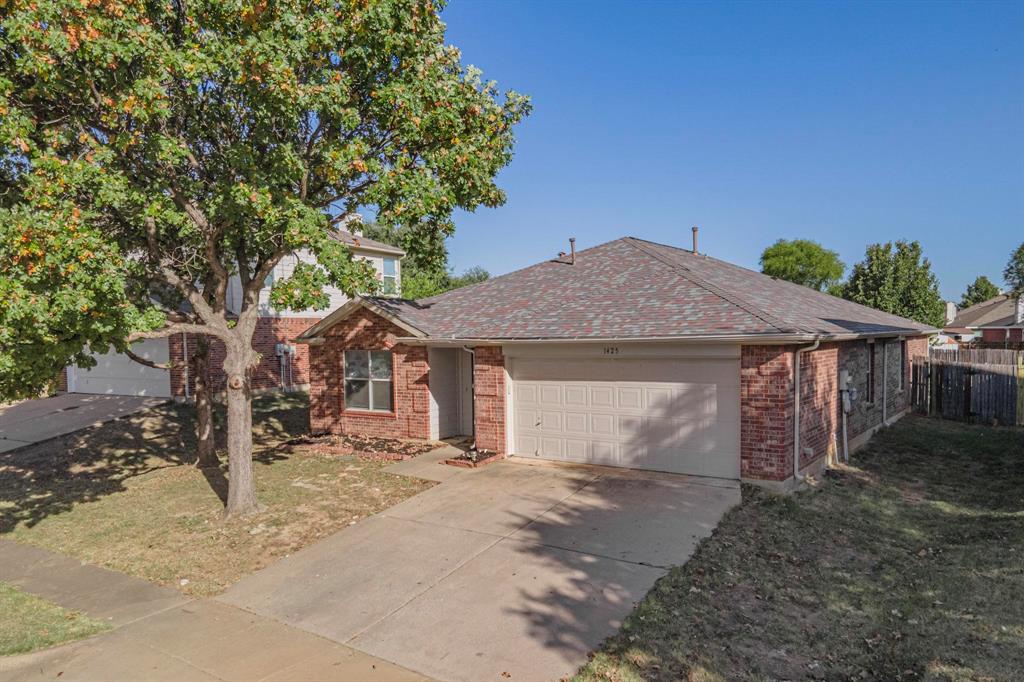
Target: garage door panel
526,394
678,415
602,424
629,397
117,374
602,396
576,396
551,421
576,422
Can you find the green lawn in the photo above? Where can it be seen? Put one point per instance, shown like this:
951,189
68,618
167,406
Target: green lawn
123,496
908,566
28,623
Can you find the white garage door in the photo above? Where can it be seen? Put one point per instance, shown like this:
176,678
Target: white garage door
665,414
117,374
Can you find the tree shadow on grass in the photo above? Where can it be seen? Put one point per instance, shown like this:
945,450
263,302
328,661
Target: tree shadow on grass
52,477
904,567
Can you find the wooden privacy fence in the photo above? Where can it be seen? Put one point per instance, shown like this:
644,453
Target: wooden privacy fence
979,384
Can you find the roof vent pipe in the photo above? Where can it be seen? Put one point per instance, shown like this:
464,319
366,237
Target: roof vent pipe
695,239
572,250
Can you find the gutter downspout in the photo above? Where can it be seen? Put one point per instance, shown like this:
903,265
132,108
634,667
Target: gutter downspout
885,382
472,398
184,352
797,357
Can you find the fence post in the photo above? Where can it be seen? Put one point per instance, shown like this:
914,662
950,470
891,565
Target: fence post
968,385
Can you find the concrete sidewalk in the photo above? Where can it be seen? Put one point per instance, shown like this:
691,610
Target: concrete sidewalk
32,421
163,635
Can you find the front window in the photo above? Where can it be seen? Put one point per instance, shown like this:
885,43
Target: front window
389,283
368,380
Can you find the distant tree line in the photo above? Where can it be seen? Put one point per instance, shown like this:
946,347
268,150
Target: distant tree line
895,277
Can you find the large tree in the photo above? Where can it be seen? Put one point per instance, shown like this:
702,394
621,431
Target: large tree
981,289
898,279
151,152
1014,272
804,262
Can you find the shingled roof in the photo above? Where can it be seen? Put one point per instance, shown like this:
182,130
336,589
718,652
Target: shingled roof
631,288
999,311
361,242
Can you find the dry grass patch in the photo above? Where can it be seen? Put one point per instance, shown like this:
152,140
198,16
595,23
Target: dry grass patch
28,623
123,496
908,567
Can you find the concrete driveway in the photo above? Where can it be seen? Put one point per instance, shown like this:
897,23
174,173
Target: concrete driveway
515,569
31,421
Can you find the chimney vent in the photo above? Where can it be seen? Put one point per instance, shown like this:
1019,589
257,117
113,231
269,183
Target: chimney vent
695,239
572,250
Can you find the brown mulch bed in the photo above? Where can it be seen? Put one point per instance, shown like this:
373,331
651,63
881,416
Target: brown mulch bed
367,447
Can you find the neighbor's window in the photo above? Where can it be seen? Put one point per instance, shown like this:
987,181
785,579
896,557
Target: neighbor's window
871,373
389,283
368,380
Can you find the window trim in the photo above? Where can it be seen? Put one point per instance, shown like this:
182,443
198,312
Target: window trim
369,380
384,277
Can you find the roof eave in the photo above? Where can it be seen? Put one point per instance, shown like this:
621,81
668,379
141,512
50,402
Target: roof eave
314,336
745,339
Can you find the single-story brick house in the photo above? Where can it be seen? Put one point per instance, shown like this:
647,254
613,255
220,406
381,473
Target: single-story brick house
999,320
630,354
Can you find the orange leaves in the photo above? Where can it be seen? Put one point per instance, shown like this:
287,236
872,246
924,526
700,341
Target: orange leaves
359,165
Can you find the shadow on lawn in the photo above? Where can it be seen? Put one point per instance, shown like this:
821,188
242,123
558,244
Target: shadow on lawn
905,567
51,477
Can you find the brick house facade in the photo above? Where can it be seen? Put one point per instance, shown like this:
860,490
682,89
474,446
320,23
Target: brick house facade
767,408
766,393
273,372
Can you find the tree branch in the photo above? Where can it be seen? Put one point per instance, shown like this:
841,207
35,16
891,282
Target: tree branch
149,363
187,289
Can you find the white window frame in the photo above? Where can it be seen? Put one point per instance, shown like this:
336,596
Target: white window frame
370,380
384,276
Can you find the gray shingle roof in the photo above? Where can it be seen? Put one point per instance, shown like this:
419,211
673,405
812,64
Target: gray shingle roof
358,242
1000,311
631,288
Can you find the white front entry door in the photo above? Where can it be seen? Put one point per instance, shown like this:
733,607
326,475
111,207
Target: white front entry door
679,415
118,374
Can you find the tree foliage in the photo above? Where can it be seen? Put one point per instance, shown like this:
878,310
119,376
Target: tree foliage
981,289
1014,272
804,262
195,142
898,279
425,271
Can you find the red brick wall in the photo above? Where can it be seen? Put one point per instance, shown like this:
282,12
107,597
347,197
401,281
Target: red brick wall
272,371
1000,335
366,331
766,401
766,412
489,398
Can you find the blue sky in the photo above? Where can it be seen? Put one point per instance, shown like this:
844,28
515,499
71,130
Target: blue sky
843,123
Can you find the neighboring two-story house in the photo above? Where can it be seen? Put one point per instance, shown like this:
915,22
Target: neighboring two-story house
284,365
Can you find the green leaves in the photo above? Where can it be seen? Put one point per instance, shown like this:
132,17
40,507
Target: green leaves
203,140
804,262
978,291
1014,272
898,279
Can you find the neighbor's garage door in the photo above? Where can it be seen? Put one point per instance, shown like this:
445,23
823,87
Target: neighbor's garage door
665,414
117,374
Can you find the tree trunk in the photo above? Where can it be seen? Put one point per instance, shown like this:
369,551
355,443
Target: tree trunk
241,486
206,446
